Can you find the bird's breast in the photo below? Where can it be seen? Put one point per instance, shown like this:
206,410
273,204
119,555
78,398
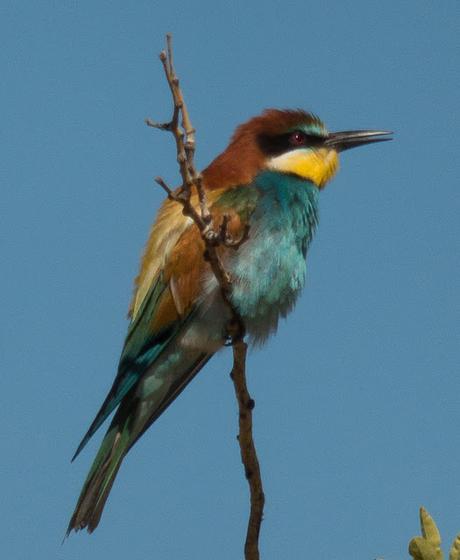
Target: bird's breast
269,269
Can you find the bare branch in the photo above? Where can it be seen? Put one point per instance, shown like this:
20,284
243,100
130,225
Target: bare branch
167,189
160,126
248,450
215,238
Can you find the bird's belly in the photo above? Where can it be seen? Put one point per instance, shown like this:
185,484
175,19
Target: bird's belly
268,273
267,277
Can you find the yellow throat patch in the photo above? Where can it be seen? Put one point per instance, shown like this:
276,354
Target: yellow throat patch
316,165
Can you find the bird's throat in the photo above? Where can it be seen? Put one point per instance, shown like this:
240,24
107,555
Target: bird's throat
316,165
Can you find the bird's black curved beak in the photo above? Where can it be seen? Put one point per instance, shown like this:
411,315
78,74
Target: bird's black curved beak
348,139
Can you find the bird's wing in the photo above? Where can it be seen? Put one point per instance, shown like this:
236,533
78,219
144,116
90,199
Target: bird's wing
166,290
162,305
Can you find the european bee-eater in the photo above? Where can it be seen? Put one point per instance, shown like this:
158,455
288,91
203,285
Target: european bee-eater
269,178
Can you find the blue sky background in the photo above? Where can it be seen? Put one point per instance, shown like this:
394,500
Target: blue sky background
357,420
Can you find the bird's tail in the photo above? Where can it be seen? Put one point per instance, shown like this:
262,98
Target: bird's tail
140,407
102,474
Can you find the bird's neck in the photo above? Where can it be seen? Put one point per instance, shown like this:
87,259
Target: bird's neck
289,190
289,203
237,165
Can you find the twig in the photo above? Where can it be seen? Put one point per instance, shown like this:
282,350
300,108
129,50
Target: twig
213,238
248,450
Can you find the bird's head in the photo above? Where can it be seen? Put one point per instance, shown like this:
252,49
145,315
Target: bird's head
288,141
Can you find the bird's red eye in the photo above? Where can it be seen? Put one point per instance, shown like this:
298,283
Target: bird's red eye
297,138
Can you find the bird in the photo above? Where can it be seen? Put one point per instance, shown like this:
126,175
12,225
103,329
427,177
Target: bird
267,181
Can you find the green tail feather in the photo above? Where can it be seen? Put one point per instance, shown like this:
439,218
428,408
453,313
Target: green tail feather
101,476
134,415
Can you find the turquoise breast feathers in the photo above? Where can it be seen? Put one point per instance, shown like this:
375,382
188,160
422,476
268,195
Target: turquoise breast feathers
269,269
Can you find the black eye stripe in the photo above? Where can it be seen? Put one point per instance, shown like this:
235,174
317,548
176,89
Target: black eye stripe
277,145
313,139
